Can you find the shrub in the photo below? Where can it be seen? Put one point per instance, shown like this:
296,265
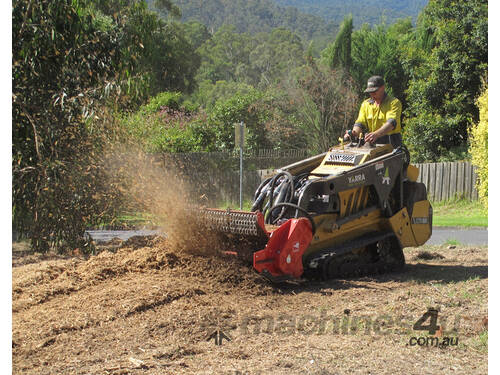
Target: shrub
432,137
164,99
478,137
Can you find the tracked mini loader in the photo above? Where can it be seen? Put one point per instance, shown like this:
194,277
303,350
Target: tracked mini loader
347,212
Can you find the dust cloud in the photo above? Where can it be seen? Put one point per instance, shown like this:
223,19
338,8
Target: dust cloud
156,186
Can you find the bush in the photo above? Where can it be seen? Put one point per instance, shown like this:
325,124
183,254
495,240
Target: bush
248,108
166,125
478,137
163,99
432,137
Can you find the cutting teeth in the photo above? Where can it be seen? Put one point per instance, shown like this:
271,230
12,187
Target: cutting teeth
235,222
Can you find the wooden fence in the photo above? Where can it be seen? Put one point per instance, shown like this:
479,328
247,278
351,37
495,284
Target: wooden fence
448,180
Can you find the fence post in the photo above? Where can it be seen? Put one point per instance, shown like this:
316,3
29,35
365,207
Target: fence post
453,179
461,179
475,191
468,178
446,181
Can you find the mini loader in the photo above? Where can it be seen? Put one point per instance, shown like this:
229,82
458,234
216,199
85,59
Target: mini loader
345,213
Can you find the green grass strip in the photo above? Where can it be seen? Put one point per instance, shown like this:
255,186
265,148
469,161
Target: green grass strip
459,213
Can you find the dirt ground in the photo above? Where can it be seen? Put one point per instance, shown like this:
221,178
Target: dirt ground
145,309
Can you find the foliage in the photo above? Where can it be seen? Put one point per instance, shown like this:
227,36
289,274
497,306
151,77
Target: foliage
372,51
284,128
275,55
479,147
172,131
326,105
166,8
445,63
338,54
258,60
378,50
150,48
189,136
240,107
224,55
256,16
62,61
163,99
429,135
165,125
363,11
74,64
316,21
196,33
209,93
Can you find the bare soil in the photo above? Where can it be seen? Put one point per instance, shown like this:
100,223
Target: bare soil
148,309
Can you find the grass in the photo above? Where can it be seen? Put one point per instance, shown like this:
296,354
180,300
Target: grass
453,213
145,220
131,220
452,241
481,342
247,205
459,213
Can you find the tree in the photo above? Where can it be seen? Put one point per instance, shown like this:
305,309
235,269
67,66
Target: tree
240,107
338,54
275,55
196,33
155,51
378,50
63,62
255,16
209,93
224,54
284,128
73,63
326,103
445,64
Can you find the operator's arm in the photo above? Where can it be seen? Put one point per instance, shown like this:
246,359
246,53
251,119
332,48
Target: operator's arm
389,126
360,124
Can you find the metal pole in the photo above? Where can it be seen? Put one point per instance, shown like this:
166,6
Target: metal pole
241,165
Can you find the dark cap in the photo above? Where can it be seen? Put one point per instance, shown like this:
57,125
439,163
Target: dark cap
374,83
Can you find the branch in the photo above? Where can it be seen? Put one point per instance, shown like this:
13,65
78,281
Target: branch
32,122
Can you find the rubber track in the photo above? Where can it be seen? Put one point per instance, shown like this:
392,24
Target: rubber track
350,265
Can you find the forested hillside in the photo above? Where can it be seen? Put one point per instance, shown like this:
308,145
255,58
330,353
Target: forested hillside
254,16
311,20
91,76
363,11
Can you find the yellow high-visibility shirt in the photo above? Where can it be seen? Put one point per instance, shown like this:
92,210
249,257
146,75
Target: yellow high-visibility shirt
372,117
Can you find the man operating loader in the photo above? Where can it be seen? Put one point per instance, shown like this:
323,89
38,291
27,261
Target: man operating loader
379,117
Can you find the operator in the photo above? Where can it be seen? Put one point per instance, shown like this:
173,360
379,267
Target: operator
379,117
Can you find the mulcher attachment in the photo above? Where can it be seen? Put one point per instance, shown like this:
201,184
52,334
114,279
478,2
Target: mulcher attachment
244,232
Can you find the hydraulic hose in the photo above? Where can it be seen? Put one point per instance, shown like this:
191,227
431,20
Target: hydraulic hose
306,214
280,188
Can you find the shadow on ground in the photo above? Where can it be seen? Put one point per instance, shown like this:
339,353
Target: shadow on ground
420,273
